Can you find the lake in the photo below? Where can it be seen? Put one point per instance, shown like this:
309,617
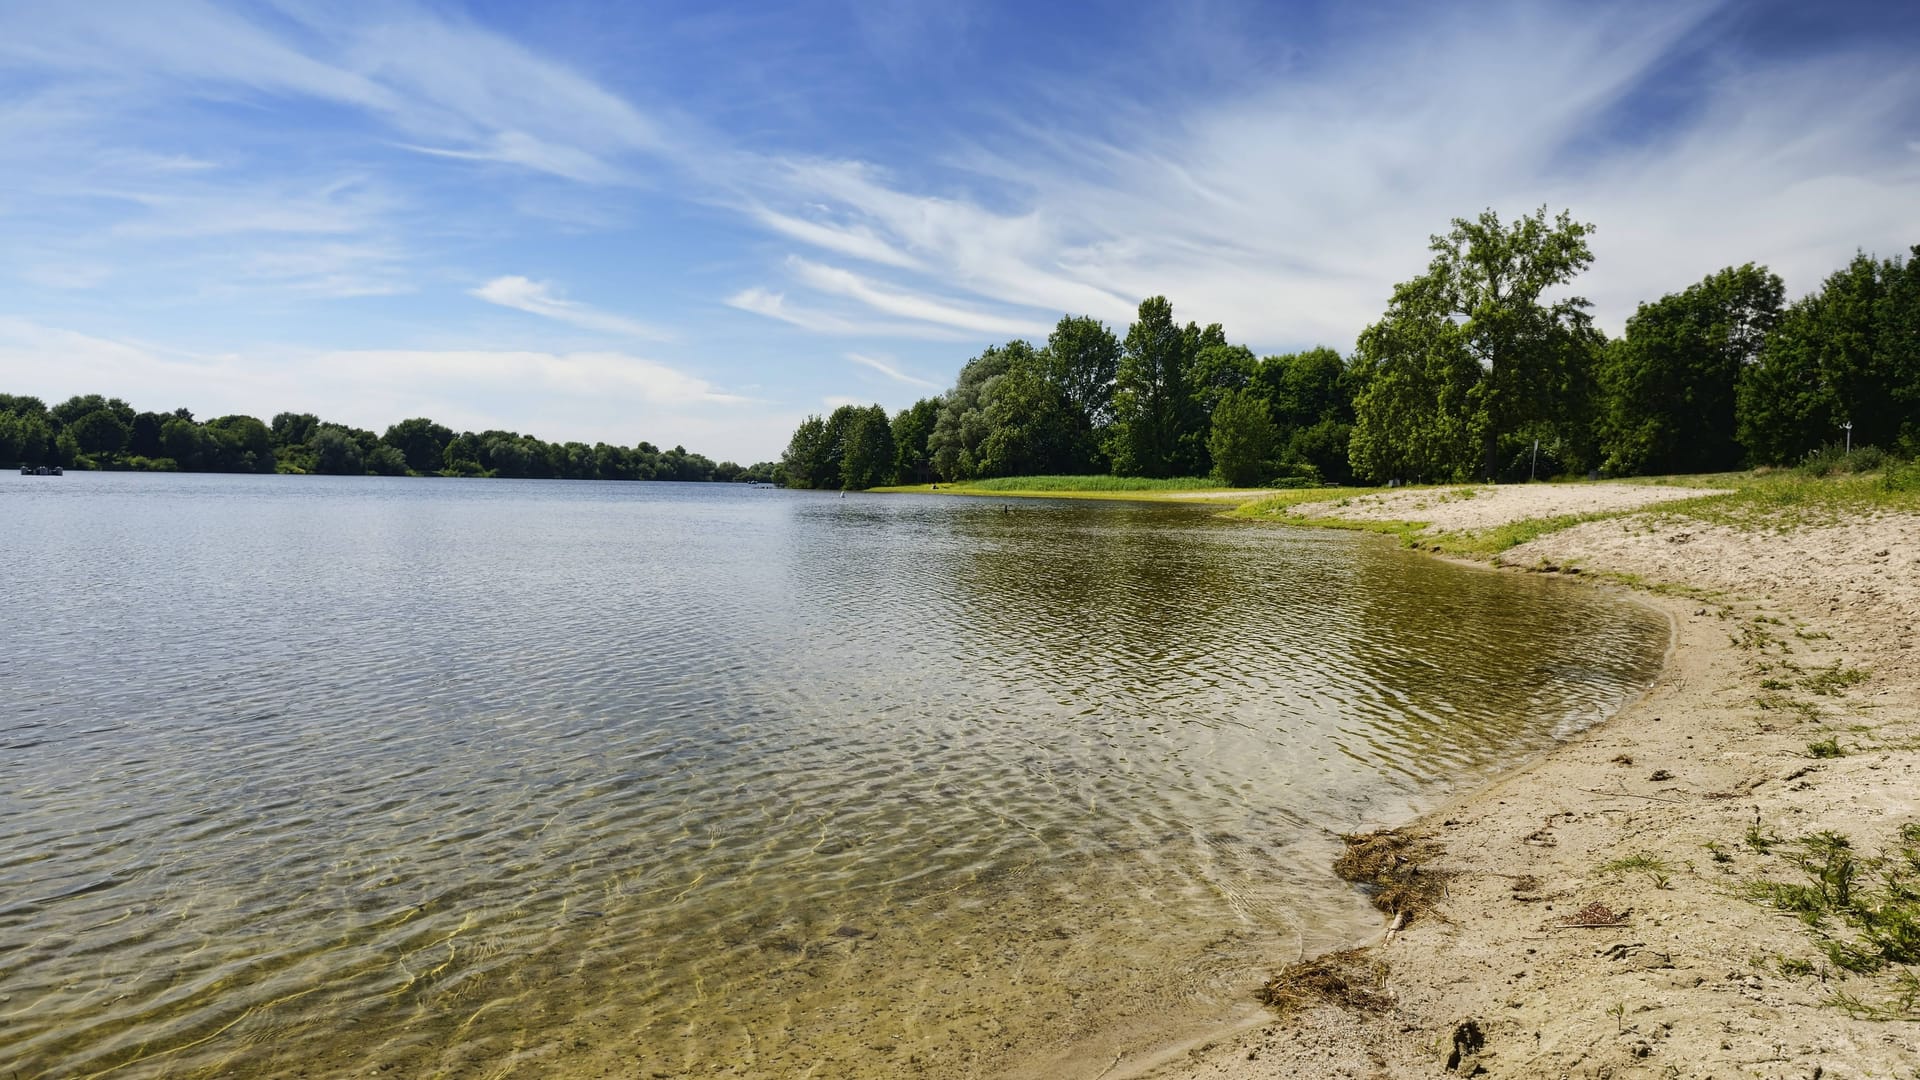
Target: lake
331,776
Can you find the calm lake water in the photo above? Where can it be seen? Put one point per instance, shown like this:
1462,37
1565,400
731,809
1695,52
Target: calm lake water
319,777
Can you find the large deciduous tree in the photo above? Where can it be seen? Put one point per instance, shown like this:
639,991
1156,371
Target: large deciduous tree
1486,292
1667,387
912,429
1081,358
1849,353
805,461
1415,416
421,442
866,458
1242,440
1150,402
1309,395
962,424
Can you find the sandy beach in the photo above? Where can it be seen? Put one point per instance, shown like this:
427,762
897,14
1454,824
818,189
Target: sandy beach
1599,914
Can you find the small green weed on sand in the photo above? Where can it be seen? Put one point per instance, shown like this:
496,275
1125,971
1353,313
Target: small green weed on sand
1826,748
1652,864
1830,681
1864,910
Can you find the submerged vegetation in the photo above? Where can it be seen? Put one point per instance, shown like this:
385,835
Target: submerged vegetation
93,432
1482,368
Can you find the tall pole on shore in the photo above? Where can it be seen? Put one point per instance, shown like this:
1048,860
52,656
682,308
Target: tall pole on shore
1848,427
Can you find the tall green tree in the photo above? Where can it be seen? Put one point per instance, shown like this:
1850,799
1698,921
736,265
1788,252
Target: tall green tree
805,459
1487,290
72,409
100,431
1082,358
1309,395
1031,428
180,439
1152,410
25,438
1667,388
336,452
1242,439
421,442
1849,353
912,429
236,444
866,459
962,425
1415,416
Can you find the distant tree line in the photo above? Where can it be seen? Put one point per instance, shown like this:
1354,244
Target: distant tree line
1485,366
94,432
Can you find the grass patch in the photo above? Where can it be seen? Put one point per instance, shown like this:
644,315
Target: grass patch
1511,535
1826,748
1773,701
1795,967
1095,483
1275,504
1864,909
1830,681
1783,499
1123,488
1652,864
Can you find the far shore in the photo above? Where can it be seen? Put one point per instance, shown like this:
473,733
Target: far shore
1614,907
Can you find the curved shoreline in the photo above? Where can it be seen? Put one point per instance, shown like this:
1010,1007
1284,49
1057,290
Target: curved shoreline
1645,813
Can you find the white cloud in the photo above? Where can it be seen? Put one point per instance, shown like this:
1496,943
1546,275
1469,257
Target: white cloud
890,301
538,298
774,305
857,241
338,206
1287,210
516,148
893,372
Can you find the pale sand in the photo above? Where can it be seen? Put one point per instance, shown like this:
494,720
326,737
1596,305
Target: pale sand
1691,985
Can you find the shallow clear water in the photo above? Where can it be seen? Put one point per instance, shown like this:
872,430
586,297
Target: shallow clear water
324,776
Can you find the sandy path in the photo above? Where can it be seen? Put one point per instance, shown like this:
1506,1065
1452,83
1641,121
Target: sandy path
1693,983
1483,506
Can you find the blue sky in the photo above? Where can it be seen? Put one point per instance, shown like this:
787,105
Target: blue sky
696,223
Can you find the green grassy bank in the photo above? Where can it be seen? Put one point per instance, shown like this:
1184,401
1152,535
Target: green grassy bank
1765,499
1128,488
1762,499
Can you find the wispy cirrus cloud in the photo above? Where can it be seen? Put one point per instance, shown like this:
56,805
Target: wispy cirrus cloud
773,305
892,372
471,92
539,298
1287,207
900,302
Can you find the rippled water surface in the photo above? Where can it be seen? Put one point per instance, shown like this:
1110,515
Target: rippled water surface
319,777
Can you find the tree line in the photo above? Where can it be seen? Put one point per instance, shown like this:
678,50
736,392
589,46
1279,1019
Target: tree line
1486,366
89,431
